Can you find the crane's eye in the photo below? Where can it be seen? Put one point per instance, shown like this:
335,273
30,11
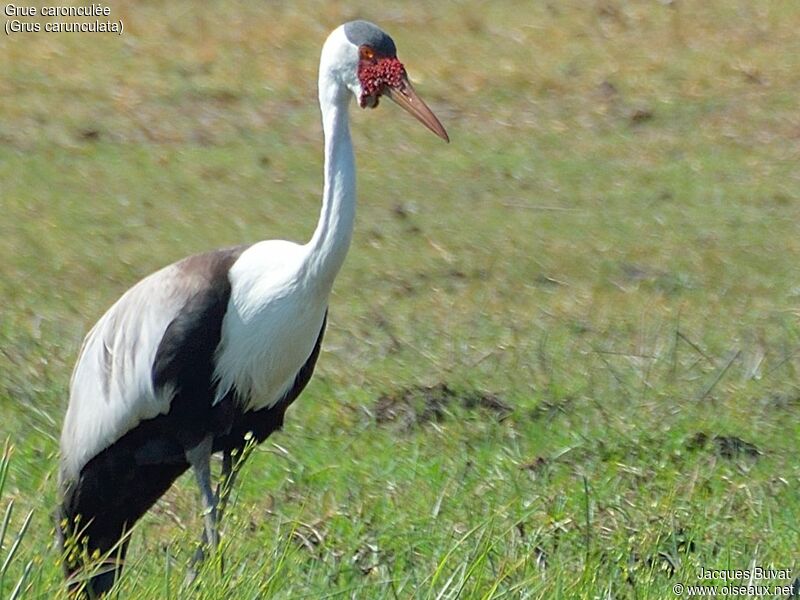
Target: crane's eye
366,53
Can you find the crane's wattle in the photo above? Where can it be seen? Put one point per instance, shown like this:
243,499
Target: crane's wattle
376,75
387,75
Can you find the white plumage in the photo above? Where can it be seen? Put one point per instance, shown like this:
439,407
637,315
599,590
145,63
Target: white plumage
286,307
111,389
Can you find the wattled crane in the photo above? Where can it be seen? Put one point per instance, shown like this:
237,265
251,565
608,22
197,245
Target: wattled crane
210,351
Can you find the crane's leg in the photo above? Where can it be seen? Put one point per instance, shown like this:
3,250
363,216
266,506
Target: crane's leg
199,458
220,503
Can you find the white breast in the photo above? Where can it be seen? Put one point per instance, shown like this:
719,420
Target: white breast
271,326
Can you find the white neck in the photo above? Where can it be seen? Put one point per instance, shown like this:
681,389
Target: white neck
331,240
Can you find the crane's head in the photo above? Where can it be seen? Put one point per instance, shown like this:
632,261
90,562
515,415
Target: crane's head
364,58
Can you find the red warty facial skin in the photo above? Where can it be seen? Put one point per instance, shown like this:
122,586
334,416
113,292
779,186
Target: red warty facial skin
375,75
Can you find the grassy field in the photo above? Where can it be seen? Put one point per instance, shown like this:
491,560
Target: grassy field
562,357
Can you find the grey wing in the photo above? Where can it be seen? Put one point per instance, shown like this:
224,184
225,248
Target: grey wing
129,364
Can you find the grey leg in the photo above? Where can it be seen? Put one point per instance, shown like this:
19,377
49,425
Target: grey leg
199,458
214,504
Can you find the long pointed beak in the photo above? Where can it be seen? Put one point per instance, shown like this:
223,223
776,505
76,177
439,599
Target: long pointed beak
407,98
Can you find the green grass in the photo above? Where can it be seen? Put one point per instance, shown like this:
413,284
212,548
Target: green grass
609,246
